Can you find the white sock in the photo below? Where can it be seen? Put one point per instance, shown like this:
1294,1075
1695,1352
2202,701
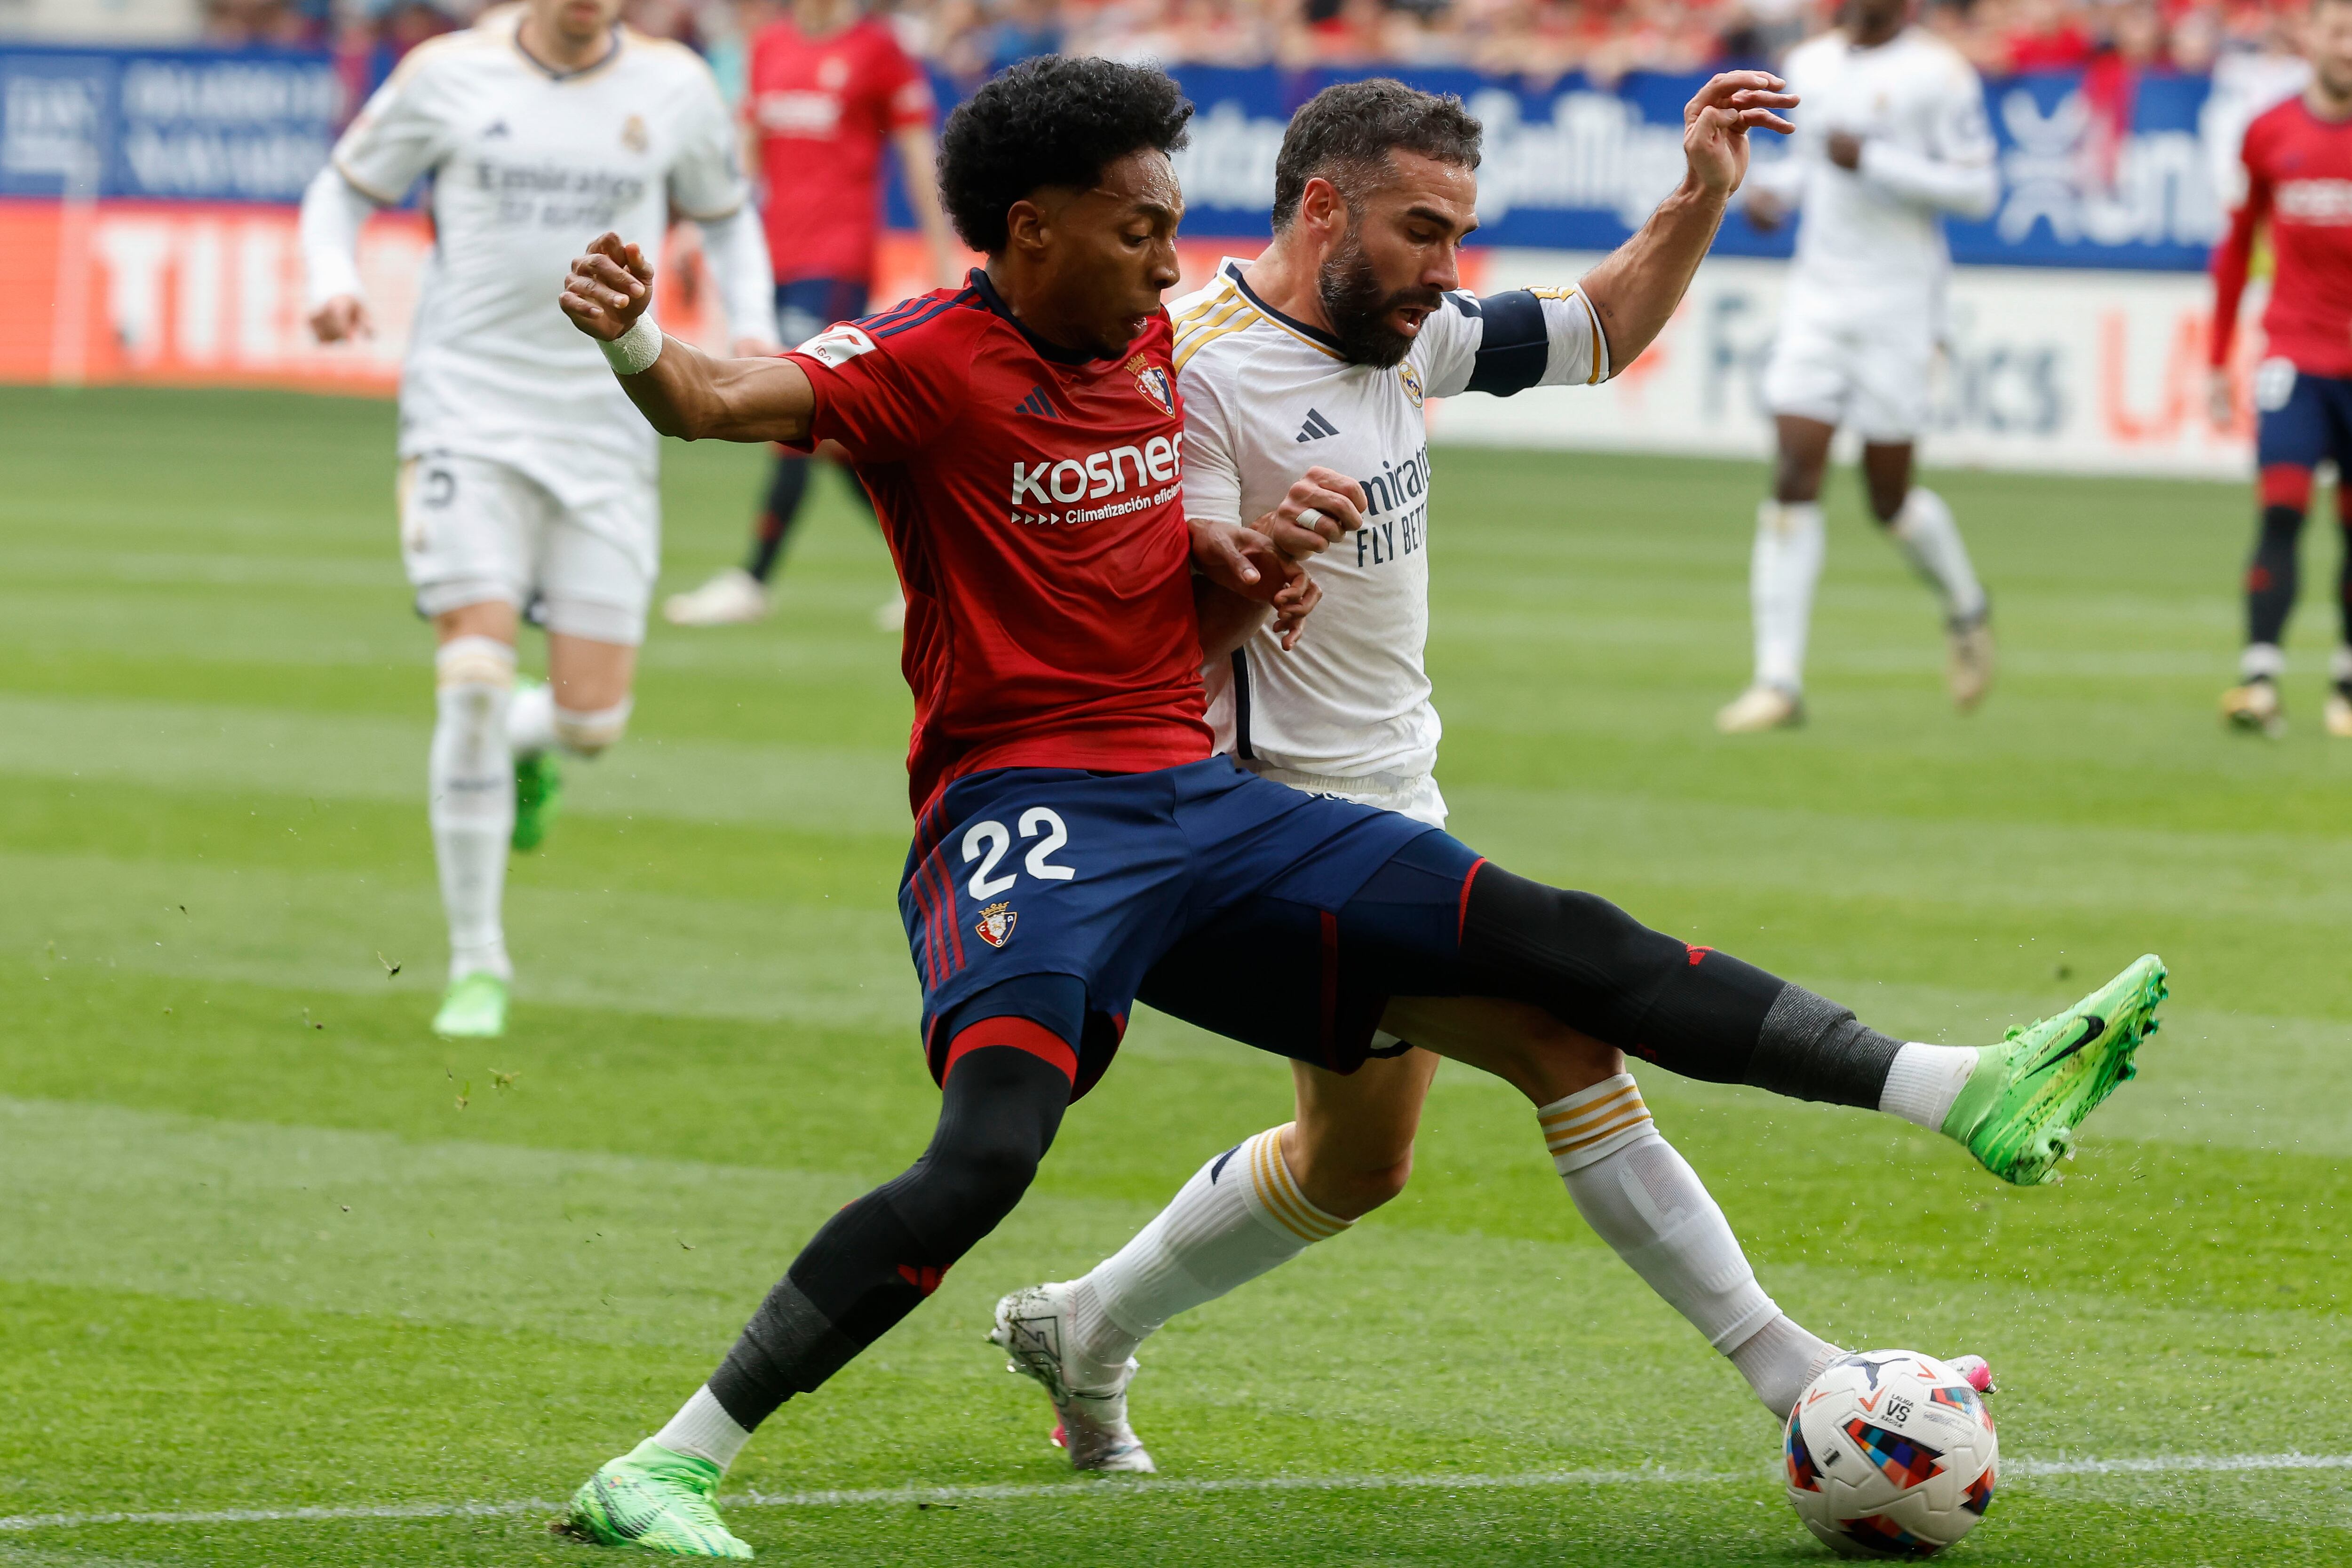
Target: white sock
702,1428
1240,1214
1925,1081
2262,662
1930,540
1781,572
471,780
531,720
1780,1361
1641,1197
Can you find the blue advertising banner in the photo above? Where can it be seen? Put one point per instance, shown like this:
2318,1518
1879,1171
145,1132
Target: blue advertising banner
198,124
1568,166
1574,168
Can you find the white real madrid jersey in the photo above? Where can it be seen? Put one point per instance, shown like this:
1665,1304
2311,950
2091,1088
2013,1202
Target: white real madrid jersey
1872,236
528,165
1266,398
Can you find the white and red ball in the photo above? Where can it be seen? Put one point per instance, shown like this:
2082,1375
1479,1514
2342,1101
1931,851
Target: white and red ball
1890,1453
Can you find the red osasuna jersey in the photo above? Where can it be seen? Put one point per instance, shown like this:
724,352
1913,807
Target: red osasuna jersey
824,108
1033,499
2299,182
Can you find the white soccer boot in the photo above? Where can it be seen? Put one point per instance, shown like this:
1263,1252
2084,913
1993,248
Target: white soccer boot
891,615
730,599
2339,714
1760,707
1036,1329
2255,706
1968,660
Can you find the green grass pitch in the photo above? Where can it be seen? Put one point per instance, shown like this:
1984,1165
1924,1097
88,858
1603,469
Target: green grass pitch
266,1246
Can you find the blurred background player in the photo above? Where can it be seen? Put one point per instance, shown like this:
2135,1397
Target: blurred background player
829,87
527,482
2299,173
1892,136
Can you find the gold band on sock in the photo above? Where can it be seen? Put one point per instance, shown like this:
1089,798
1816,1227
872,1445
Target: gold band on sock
1593,1124
1277,1192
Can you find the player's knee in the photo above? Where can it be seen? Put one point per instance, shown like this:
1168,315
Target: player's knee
2286,485
585,733
1575,955
1365,1190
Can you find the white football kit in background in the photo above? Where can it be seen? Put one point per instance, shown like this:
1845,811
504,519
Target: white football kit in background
1863,308
527,474
1347,712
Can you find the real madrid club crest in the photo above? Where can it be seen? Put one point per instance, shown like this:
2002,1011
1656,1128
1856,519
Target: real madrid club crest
633,134
1412,379
1153,382
995,926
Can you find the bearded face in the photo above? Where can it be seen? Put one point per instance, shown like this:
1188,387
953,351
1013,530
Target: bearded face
1358,306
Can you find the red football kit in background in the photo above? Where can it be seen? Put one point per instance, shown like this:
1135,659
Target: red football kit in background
2299,183
824,108
1032,498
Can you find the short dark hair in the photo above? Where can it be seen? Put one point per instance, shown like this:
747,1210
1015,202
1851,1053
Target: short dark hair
1344,134
1053,120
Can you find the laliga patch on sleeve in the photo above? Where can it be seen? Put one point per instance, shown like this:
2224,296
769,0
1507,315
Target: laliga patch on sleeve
836,346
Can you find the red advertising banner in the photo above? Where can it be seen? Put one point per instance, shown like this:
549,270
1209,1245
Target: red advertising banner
200,294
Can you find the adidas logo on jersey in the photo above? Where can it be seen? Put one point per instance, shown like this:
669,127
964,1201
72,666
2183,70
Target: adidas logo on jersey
1038,403
1316,427
1046,483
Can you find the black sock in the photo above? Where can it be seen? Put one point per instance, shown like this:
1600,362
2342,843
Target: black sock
2344,595
2271,575
786,488
1691,1011
876,1261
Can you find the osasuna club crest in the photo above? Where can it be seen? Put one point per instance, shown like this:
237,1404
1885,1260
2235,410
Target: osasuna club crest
1152,381
995,926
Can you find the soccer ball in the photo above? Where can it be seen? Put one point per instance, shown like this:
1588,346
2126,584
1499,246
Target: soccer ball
1891,1454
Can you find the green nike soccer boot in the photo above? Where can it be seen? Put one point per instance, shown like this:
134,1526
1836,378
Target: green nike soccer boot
2021,1108
539,795
473,1007
653,1498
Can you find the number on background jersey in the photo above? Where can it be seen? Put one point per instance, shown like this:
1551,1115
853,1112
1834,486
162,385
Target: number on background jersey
988,842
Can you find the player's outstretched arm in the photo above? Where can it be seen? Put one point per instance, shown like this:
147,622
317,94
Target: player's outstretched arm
680,390
1639,286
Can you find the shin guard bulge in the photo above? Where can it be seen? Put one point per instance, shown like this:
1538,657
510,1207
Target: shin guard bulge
471,784
873,1262
1240,1214
1640,1197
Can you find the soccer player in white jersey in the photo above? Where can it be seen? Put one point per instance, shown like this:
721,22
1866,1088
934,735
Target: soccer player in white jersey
528,483
1893,136
1329,344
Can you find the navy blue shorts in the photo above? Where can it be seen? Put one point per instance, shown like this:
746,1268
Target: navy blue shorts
1269,906
2310,423
807,306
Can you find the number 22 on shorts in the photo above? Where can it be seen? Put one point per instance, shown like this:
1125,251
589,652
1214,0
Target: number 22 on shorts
988,843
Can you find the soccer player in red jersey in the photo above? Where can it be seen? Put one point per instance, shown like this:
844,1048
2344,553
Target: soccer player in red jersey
2298,166
830,90
1023,440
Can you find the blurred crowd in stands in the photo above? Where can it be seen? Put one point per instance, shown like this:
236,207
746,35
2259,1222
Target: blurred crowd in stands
1541,39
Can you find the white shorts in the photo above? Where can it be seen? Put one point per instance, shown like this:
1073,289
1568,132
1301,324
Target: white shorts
1416,796
1867,374
473,531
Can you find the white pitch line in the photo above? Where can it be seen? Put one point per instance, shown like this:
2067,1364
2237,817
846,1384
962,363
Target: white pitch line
1107,1489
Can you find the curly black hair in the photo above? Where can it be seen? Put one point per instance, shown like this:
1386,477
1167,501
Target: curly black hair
1053,120
1345,133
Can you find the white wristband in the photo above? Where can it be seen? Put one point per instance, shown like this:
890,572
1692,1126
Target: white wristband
635,350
